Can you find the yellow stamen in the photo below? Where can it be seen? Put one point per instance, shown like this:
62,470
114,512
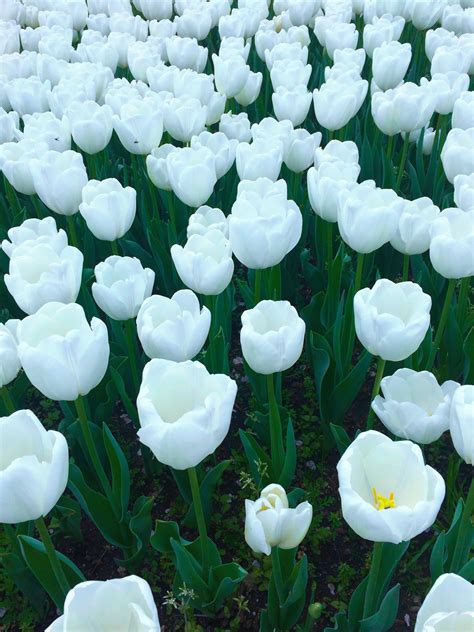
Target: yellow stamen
382,502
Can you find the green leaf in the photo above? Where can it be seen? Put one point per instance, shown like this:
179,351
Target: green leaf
120,472
384,618
341,438
224,580
291,609
37,559
347,390
255,454
165,531
289,466
140,525
189,571
207,489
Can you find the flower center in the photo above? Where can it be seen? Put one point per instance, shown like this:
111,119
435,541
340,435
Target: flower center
382,502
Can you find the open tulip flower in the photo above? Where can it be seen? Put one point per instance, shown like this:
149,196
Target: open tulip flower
447,606
387,492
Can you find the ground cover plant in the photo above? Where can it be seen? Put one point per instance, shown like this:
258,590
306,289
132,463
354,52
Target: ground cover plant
236,331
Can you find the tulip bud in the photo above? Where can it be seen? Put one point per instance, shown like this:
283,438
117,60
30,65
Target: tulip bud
272,336
460,422
387,492
184,411
106,605
205,263
173,328
300,152
453,231
270,522
415,407
315,610
192,174
447,606
264,226
292,105
9,361
251,89
122,284
62,355
391,319
108,208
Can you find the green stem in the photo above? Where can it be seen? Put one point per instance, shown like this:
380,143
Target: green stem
130,337
406,267
442,323
201,522
463,533
91,447
358,273
114,248
375,391
370,604
276,433
172,213
277,575
390,148
52,556
257,290
72,230
401,166
7,400
329,245
463,297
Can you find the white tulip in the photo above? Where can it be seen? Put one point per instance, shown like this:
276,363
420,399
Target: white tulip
415,407
270,130
121,286
184,52
456,155
236,126
450,58
139,126
341,35
412,236
390,64
184,411
453,231
447,606
62,355
28,95
47,128
184,118
9,360
259,159
251,89
91,125
206,218
173,328
403,109
192,174
157,168
463,111
15,162
464,192
446,89
385,29
391,319
34,467
269,521
231,46
461,422
230,75
387,492
108,208
337,101
300,152
292,104
8,125
222,147
326,183
34,231
337,150
288,73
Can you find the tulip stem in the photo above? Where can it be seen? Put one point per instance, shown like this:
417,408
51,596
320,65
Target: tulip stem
277,574
114,248
442,323
201,522
375,391
52,556
258,286
401,166
390,148
276,434
462,542
130,339
172,213
91,447
406,267
72,230
463,297
7,400
370,604
358,273
329,245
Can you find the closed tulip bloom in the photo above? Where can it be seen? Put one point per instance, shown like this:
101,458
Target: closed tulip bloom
425,14
108,208
184,118
121,286
28,95
173,328
194,23
205,262
62,355
157,168
414,406
456,155
292,105
15,163
349,56
382,30
9,361
464,192
463,111
222,147
326,183
192,174
34,467
447,606
206,218
341,35
387,492
185,52
59,179
336,102
46,128
403,109
391,319
231,46
39,274
335,151
236,126
300,152
91,125
259,159
230,75
453,57
269,521
124,604
438,37
412,236
288,51
184,411
155,10
460,422
272,336
188,83
139,126
143,55
446,88
251,89
270,130
368,216
453,231
133,24
264,226
390,64
287,74
8,124
34,231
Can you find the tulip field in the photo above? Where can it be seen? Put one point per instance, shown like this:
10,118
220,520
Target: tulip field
236,321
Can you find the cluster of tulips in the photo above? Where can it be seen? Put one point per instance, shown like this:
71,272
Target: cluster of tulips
125,293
